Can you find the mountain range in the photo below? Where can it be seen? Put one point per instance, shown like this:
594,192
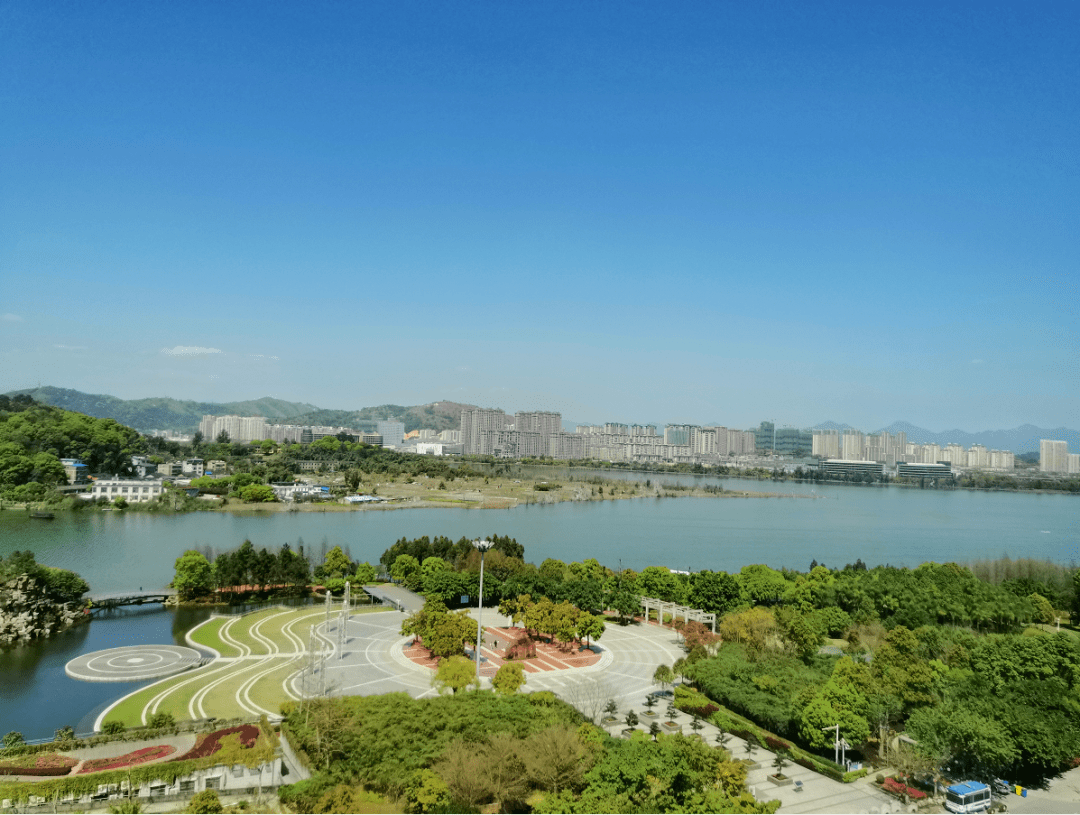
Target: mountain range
164,413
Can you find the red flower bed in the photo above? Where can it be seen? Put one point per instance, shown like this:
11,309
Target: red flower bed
705,711
210,743
44,764
776,744
900,788
128,759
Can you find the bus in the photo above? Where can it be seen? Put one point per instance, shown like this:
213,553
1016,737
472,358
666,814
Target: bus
968,796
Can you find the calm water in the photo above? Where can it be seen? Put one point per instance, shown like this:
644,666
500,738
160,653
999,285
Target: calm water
836,525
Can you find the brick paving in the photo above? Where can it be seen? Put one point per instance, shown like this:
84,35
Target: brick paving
498,642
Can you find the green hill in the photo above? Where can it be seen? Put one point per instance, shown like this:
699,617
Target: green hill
435,416
161,413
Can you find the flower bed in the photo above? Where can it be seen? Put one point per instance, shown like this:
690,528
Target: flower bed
128,759
210,743
777,745
42,764
900,788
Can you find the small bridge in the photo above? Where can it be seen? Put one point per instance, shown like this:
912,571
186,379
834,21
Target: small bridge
100,602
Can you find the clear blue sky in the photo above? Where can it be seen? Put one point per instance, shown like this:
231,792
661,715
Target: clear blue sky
639,212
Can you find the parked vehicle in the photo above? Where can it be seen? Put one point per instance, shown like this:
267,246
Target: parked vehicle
968,796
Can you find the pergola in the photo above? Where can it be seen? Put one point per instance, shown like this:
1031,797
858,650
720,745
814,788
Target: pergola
675,610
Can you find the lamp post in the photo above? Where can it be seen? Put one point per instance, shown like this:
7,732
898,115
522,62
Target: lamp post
482,546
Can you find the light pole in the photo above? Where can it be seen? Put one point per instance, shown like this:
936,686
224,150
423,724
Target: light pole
481,546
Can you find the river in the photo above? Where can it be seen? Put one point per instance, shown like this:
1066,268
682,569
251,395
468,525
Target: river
122,551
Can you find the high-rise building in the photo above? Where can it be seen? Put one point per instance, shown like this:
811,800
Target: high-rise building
479,421
1053,456
392,432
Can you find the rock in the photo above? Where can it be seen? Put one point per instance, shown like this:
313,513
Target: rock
27,612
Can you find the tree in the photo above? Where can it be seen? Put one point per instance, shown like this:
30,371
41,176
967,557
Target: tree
403,568
352,479
365,573
779,763
455,673
193,575
654,730
714,592
258,493
631,719
509,678
13,739
222,437
663,676
336,563
206,801
590,627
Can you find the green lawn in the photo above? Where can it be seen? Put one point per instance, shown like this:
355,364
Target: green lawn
221,701
209,634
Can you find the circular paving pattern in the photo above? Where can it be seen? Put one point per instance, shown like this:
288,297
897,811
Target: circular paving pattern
133,663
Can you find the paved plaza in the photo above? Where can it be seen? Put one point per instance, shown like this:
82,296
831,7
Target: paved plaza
374,662
133,663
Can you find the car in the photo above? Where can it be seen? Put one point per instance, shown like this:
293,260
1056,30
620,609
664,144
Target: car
1002,787
662,694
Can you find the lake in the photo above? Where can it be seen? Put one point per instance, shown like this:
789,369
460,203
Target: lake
120,551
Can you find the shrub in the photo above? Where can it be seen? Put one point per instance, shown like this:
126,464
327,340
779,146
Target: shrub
777,744
854,775
113,728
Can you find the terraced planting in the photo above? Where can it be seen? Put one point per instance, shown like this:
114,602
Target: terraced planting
259,653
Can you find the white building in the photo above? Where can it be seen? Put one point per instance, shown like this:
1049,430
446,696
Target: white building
1053,456
393,433
133,490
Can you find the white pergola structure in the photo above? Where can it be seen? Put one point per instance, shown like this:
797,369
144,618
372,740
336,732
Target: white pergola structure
662,607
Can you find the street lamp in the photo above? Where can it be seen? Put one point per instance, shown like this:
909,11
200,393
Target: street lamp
481,546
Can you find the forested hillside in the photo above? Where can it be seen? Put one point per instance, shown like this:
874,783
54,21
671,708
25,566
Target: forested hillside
34,437
435,416
160,413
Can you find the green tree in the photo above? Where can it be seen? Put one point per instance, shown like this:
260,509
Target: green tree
404,567
336,563
590,627
258,493
426,792
206,801
509,678
455,673
714,592
365,573
13,739
193,575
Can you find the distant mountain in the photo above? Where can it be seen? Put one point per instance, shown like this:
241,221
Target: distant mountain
832,426
1023,439
435,416
161,413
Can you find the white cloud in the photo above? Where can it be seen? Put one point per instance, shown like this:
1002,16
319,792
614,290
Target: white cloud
190,351
262,356
11,318
70,347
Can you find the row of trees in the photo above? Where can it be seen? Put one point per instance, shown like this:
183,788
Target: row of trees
247,569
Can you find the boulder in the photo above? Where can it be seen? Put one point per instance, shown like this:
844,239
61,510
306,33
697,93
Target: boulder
27,612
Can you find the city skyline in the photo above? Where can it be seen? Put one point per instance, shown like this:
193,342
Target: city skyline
613,211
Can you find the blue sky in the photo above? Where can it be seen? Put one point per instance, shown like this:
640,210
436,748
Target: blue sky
638,212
